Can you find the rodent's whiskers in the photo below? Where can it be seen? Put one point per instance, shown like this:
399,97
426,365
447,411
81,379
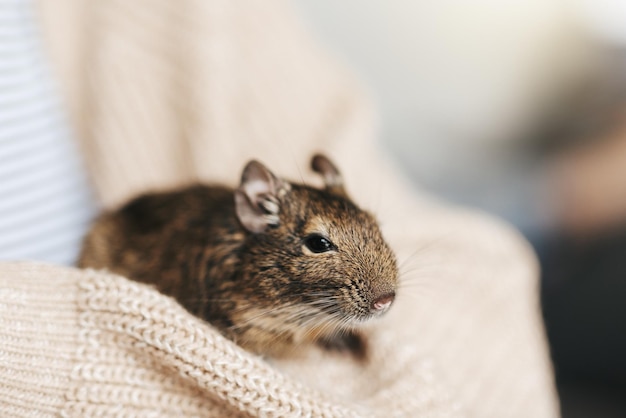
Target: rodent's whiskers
415,286
413,274
203,299
327,323
288,313
413,296
423,249
315,318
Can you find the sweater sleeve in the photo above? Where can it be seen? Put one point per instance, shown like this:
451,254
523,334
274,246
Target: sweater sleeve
85,343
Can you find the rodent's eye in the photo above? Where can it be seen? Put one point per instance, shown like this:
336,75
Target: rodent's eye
318,244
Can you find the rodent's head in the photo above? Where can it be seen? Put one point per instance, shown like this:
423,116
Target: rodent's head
314,256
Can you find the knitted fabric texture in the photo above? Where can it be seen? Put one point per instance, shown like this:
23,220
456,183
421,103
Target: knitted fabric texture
163,93
87,344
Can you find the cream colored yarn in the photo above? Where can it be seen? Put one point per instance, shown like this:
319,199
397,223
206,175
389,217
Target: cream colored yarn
162,93
86,344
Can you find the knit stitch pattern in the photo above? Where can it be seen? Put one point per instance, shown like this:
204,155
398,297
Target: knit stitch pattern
119,348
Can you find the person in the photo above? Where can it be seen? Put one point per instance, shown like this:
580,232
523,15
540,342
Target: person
160,94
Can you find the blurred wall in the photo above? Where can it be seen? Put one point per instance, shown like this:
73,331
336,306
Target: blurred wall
461,85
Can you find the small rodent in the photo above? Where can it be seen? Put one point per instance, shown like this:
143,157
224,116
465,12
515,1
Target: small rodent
272,264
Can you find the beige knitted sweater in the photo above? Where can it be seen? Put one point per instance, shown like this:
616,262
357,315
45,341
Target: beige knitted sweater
162,93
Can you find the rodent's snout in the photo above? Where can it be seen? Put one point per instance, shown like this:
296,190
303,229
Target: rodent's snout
382,303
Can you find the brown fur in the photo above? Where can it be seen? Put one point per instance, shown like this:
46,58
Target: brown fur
264,290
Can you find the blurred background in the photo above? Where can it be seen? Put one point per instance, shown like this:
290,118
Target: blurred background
518,108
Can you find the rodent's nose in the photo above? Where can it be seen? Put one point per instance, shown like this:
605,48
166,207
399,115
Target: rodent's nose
383,302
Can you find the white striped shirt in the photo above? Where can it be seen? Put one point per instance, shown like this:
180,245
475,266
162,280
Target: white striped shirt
45,201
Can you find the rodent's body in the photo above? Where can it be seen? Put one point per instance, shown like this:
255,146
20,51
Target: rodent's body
241,259
186,242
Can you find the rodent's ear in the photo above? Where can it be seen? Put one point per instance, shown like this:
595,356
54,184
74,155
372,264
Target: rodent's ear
256,199
332,177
